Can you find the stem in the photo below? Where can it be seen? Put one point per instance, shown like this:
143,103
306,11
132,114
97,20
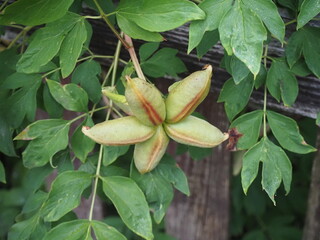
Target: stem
112,28
265,96
3,5
97,175
290,22
85,114
26,29
134,58
93,17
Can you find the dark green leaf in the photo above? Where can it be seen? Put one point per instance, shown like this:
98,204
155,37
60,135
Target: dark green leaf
22,103
158,16
173,173
238,69
46,44
135,31
111,153
65,194
34,201
163,62
53,108
157,189
103,231
133,210
242,33
23,230
70,96
234,102
35,12
261,77
308,10
198,153
147,49
8,59
73,230
80,143
282,83
87,75
71,47
48,137
6,144
276,167
209,39
300,68
249,126
305,41
255,235
268,12
286,131
35,178
2,173
214,10
19,80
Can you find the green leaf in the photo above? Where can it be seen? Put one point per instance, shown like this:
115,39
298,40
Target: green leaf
46,43
209,39
34,201
19,80
147,49
2,173
65,194
48,137
198,153
286,131
23,103
111,153
103,231
71,48
158,16
249,126
268,13
133,210
281,83
242,33
6,144
70,96
35,12
318,119
261,77
305,41
308,10
234,102
22,230
276,167
157,189
8,59
135,31
80,143
236,68
53,108
300,68
255,235
173,173
73,230
215,10
87,75
163,62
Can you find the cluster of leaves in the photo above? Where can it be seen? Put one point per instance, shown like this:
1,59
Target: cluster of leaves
57,73
255,217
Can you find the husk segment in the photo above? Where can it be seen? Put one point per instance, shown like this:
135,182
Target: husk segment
145,101
195,132
118,99
186,95
121,131
148,154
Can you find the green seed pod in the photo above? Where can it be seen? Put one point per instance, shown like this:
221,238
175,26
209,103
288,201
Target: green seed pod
145,101
121,131
195,132
187,94
148,154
